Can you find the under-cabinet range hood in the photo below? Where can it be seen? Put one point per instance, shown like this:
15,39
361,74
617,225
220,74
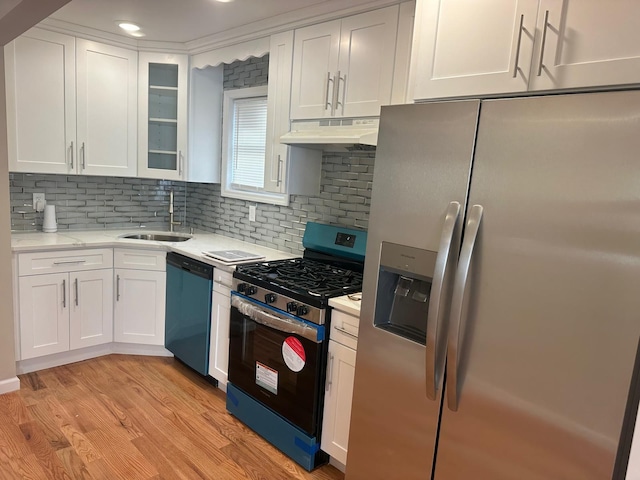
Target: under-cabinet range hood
333,134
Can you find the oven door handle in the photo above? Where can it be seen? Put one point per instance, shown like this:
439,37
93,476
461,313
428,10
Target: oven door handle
270,318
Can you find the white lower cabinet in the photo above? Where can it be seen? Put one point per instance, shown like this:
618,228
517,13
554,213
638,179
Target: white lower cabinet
220,318
91,316
44,314
338,395
337,401
69,306
140,282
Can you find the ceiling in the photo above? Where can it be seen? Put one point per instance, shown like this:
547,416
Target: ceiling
183,20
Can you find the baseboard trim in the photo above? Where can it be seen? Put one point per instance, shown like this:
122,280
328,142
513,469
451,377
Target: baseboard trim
9,385
73,356
340,466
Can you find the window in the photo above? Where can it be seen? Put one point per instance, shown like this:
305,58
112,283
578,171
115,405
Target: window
244,130
249,140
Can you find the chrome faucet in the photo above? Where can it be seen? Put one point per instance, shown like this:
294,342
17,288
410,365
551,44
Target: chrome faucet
171,222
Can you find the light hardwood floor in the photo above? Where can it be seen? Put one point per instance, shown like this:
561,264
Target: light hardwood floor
131,417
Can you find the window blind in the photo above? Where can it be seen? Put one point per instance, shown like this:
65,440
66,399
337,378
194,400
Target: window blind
249,142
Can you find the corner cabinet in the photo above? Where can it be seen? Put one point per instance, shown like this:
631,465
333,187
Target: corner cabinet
345,68
140,282
83,118
65,301
162,114
508,46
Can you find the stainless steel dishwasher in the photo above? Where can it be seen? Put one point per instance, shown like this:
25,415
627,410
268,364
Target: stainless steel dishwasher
188,311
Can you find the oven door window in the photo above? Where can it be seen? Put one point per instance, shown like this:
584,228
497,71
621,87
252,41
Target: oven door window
281,370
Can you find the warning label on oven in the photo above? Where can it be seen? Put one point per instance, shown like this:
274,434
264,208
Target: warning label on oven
267,378
293,354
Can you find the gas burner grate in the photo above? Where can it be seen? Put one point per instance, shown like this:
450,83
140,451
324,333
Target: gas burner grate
305,276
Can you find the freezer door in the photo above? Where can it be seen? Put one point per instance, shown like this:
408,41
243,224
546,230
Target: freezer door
549,320
420,184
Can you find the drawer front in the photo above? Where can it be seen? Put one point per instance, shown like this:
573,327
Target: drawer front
222,282
222,288
64,261
139,259
344,329
222,277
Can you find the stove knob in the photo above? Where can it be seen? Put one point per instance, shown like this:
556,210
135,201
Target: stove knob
241,287
270,298
302,310
251,290
292,307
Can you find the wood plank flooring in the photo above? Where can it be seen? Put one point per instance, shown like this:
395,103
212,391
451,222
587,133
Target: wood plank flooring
132,418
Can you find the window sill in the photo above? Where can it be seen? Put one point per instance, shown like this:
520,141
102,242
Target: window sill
259,197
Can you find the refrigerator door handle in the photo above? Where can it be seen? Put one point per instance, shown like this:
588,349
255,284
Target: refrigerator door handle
438,289
457,302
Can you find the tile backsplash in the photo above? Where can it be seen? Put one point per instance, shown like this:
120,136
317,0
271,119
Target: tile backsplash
345,198
87,202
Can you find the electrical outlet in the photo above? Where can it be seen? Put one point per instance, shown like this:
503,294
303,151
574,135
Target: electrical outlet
38,202
252,213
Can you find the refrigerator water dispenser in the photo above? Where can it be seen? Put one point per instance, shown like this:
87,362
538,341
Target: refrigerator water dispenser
404,286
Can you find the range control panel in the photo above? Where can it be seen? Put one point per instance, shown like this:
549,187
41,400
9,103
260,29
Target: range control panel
345,239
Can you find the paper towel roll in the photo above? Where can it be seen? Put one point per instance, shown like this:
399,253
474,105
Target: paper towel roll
49,224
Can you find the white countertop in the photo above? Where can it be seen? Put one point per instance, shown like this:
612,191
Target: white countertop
200,242
346,304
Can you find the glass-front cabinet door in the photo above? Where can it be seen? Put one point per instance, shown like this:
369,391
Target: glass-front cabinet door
163,116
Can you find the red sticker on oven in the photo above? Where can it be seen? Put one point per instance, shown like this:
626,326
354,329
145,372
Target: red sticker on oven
293,354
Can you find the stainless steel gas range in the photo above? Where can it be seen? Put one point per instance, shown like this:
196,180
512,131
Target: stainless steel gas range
278,338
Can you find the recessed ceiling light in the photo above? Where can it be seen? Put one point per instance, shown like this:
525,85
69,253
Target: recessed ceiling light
128,26
136,34
224,1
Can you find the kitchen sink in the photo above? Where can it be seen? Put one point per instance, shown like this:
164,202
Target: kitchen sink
158,237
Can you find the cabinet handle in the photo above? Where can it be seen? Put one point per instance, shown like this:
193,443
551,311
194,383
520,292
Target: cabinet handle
83,154
71,155
544,40
69,262
329,374
344,91
516,68
180,163
336,93
326,97
279,181
64,294
117,288
76,288
342,330
230,287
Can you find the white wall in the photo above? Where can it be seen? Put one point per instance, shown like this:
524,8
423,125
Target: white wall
20,18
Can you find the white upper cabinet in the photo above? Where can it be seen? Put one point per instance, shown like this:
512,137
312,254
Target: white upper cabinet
315,64
71,104
365,67
586,43
107,109
41,108
344,68
469,47
464,47
163,106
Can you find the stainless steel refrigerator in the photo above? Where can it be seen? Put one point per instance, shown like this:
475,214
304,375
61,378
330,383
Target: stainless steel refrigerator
504,244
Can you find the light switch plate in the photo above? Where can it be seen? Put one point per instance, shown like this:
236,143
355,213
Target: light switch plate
252,213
